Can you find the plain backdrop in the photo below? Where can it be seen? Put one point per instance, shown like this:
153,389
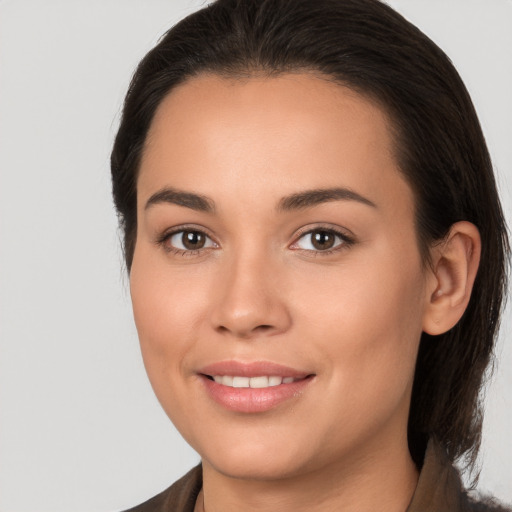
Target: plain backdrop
80,429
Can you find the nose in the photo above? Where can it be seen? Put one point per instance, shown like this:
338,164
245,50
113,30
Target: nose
251,301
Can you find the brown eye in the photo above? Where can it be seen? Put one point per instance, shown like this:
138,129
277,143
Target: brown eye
322,240
189,240
319,240
193,240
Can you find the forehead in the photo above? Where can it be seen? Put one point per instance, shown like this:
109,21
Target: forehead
291,131
294,103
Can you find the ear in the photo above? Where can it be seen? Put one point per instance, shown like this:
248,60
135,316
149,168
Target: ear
454,266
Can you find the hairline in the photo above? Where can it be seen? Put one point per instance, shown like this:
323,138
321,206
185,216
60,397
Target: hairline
252,71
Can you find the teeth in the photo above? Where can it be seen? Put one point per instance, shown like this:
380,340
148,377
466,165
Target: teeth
274,381
252,382
241,382
259,382
227,380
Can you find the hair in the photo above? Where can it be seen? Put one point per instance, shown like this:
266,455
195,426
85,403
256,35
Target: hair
440,149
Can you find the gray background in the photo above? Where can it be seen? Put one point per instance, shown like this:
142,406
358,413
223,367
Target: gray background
80,429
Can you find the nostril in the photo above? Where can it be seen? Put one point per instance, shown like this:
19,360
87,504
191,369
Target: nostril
263,328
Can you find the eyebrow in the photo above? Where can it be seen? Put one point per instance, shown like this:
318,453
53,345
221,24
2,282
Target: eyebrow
298,201
309,198
187,199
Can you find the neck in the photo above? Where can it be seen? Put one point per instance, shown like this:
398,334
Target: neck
383,479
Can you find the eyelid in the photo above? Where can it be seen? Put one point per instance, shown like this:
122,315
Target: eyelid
347,237
167,234
344,234
323,226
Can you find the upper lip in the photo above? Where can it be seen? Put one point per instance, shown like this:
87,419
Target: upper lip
252,369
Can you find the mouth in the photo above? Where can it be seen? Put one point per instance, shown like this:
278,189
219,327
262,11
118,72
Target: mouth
253,387
259,382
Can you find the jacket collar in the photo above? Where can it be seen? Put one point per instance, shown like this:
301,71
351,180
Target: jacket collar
439,486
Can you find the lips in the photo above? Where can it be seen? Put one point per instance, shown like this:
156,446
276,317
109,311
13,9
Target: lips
253,387
259,382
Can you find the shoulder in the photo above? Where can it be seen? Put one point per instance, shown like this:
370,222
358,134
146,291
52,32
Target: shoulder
179,497
487,504
440,487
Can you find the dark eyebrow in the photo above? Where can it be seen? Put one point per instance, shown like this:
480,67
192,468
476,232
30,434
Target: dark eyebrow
181,198
310,198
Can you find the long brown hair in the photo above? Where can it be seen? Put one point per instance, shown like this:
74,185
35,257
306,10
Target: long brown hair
440,148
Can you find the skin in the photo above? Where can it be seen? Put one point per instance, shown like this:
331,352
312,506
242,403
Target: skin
259,290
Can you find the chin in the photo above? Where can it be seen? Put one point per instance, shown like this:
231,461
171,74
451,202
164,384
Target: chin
273,458
263,468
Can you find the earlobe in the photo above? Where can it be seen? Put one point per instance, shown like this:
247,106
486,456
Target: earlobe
454,267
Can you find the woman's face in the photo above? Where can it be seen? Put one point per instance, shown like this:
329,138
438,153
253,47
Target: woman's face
276,240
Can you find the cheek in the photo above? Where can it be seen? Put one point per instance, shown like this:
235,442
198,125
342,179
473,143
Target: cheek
367,316
167,309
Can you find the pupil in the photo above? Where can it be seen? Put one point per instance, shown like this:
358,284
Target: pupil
193,240
323,240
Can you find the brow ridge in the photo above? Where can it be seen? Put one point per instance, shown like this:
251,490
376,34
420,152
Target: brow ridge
298,201
181,198
310,198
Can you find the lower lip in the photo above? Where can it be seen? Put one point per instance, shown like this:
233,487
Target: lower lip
250,400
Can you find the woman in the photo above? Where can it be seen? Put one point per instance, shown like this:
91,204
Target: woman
316,253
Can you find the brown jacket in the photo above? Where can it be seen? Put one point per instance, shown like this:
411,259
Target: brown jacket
439,490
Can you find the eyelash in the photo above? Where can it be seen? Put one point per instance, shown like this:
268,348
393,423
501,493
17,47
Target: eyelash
167,235
346,241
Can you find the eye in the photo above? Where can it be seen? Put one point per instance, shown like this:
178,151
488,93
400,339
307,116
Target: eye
321,240
187,240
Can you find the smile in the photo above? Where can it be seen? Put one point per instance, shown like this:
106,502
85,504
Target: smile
253,387
252,382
